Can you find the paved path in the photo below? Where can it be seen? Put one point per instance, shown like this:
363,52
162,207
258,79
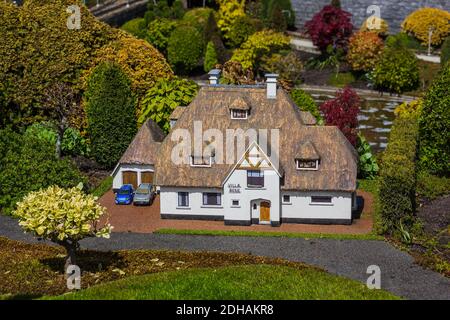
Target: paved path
349,258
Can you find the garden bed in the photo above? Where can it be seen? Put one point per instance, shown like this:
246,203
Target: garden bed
32,270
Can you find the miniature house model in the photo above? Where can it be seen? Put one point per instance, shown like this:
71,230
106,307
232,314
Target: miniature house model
291,171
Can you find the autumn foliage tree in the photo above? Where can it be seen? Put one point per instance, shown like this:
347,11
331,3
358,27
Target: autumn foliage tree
365,50
342,112
331,26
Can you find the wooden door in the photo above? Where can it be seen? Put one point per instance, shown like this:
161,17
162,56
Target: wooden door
264,212
147,177
130,177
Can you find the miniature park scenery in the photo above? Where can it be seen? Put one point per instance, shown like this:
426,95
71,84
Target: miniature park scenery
352,149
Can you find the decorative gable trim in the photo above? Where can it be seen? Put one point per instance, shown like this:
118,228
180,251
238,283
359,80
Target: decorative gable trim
254,158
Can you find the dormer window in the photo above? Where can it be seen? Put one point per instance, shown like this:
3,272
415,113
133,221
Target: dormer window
303,164
201,161
239,108
239,114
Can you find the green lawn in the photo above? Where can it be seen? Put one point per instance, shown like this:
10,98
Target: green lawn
236,282
271,234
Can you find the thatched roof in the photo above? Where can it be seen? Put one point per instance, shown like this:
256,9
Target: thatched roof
176,114
239,104
145,145
307,118
338,165
307,151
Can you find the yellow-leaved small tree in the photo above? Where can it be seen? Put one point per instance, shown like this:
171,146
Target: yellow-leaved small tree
63,216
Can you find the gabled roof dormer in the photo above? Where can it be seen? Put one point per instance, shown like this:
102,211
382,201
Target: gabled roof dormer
307,157
239,108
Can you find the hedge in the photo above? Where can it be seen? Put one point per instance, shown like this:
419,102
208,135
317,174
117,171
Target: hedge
435,125
397,182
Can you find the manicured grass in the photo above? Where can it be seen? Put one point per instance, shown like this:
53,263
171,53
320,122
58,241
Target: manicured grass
237,282
270,234
104,187
32,270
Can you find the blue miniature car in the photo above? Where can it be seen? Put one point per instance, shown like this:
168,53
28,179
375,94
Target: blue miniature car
125,194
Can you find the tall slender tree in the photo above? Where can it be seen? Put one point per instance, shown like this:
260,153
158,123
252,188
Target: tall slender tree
111,113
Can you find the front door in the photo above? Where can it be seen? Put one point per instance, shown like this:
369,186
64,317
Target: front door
264,213
129,177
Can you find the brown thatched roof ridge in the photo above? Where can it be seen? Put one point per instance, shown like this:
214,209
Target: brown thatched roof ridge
177,112
338,165
145,146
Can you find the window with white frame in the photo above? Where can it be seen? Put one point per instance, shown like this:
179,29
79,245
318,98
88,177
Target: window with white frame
183,199
307,164
235,203
239,114
212,199
200,161
255,178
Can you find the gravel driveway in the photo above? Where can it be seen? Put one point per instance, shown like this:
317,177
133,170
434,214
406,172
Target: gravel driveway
349,258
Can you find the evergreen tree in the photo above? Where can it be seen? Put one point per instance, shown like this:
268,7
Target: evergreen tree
111,113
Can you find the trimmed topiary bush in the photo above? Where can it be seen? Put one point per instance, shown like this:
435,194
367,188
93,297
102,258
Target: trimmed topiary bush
241,29
111,113
397,71
330,27
435,126
135,27
445,53
158,33
185,49
419,22
397,182
403,40
210,57
364,51
258,45
306,103
342,112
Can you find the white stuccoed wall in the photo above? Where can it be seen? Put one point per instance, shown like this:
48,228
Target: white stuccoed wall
301,207
169,202
270,192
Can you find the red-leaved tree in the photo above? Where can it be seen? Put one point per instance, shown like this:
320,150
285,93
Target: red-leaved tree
342,112
332,26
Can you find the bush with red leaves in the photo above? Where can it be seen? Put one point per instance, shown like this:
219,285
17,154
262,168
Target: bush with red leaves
342,112
332,26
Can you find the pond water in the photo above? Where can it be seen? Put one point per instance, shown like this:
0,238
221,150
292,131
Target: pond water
375,118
